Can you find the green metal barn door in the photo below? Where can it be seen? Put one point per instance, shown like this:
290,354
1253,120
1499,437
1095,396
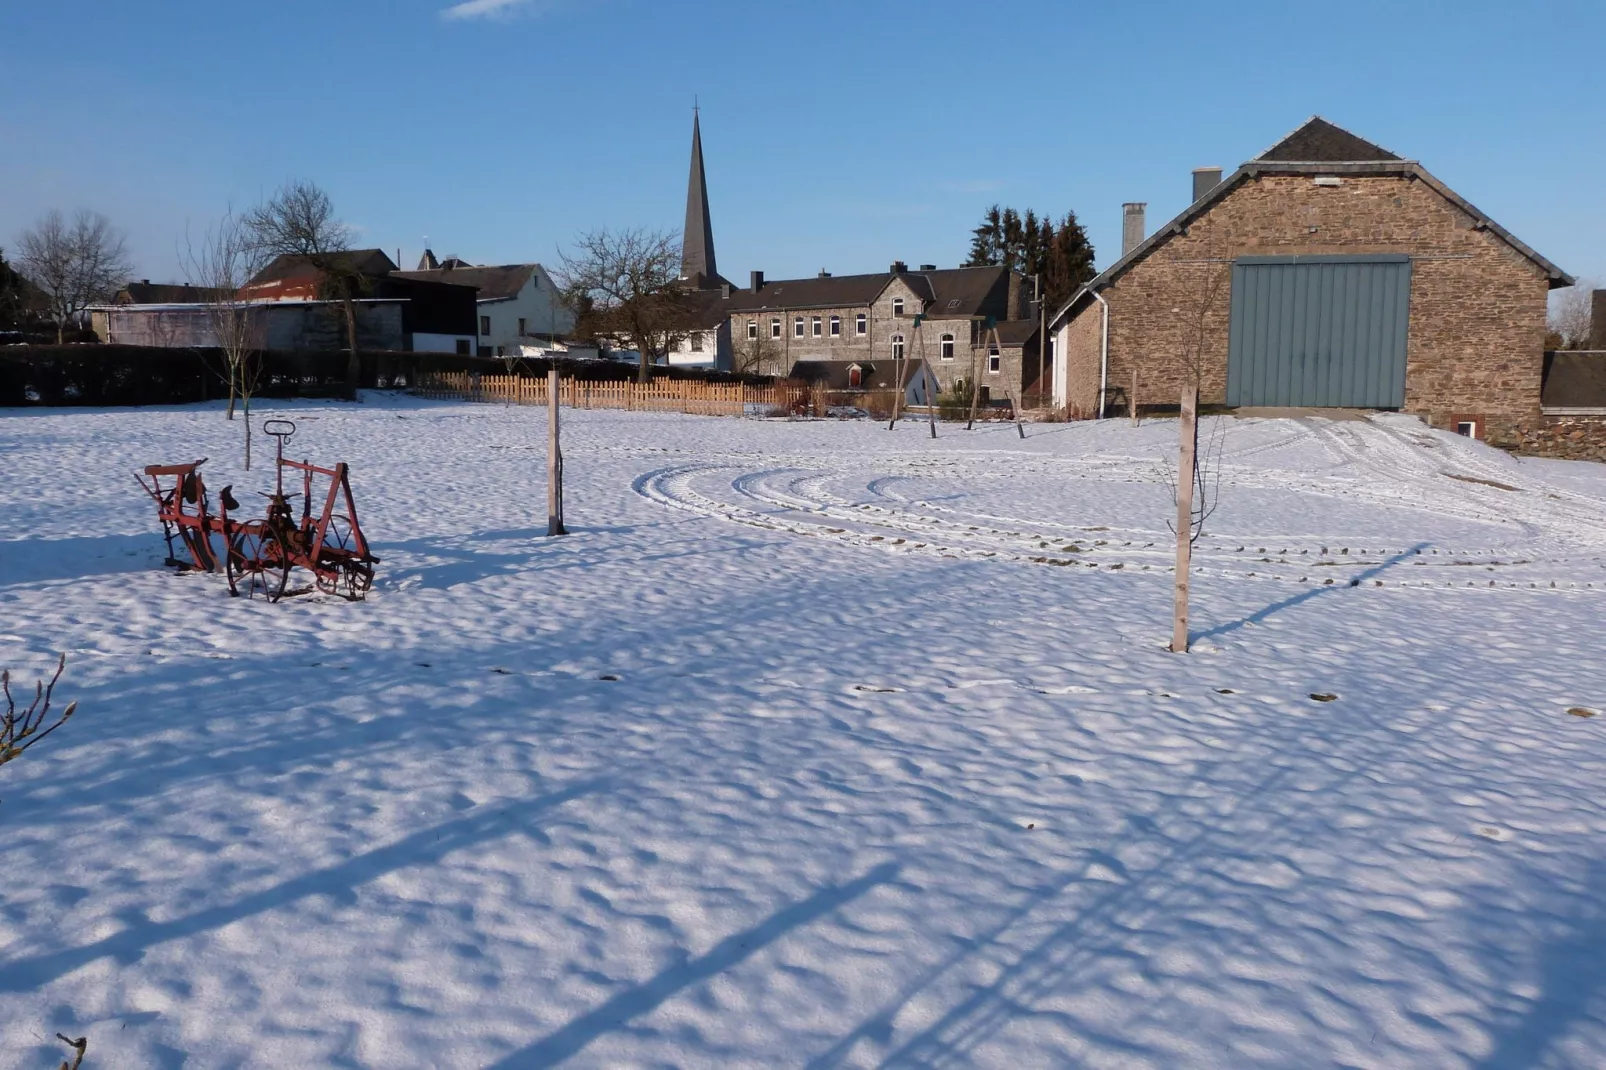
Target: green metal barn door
1324,331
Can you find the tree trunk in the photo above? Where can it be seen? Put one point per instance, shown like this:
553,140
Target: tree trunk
353,362
234,378
644,372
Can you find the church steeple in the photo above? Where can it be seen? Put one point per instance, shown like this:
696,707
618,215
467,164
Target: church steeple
697,243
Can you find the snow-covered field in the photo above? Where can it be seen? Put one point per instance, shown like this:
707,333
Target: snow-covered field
814,745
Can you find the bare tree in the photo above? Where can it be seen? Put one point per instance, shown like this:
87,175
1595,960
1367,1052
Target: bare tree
73,263
628,284
1571,314
758,355
299,221
226,259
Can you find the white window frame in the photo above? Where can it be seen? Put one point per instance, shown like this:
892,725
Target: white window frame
860,326
797,327
897,346
995,360
814,326
752,328
697,341
1471,428
775,326
897,306
836,326
945,347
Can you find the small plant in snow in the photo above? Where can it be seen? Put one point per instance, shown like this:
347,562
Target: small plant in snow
19,731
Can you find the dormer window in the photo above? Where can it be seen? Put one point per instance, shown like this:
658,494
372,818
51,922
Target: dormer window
897,306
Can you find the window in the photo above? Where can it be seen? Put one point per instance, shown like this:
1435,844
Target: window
797,327
815,326
752,328
462,347
858,324
521,327
897,347
485,325
697,342
775,327
1469,428
897,306
947,347
994,361
836,326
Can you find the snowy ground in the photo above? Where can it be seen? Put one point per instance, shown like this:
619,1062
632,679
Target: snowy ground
814,745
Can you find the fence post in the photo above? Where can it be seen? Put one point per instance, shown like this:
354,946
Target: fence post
1189,430
554,460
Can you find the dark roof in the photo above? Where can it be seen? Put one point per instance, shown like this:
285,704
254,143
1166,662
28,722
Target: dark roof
833,374
1319,141
494,283
370,262
427,262
1393,165
1575,380
1017,332
164,293
955,292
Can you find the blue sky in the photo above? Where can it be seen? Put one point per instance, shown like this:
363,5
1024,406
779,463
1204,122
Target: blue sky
838,135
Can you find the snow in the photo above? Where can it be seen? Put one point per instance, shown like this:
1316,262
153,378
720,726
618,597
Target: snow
889,776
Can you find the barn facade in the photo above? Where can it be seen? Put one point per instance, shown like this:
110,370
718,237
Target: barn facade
1326,272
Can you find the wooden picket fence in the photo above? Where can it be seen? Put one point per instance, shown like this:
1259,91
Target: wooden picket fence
660,395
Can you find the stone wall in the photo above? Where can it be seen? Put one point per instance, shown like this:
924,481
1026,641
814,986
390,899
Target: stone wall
1573,438
1476,332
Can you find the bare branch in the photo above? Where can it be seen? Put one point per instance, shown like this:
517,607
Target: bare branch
627,285
1571,314
18,732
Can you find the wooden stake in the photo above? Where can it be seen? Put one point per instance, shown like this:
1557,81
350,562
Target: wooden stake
554,459
1189,431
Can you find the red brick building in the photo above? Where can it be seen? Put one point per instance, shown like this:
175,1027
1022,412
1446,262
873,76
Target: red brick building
1325,272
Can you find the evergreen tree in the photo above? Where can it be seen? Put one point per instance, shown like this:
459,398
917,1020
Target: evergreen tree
986,240
1068,263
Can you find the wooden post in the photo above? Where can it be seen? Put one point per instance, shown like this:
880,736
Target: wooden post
554,459
1189,431
1132,399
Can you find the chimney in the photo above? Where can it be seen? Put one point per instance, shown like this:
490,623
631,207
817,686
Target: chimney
899,267
1597,323
928,267
1131,225
1205,179
725,291
824,274
758,281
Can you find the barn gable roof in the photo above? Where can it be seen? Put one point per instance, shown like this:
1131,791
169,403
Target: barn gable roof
1325,140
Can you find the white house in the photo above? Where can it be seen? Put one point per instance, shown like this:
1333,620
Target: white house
517,303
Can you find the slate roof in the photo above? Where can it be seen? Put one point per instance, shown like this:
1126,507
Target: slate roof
1319,141
1017,332
951,292
370,262
833,374
1317,134
495,283
164,293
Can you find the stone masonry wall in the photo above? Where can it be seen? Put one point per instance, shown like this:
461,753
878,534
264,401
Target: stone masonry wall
1573,438
1477,319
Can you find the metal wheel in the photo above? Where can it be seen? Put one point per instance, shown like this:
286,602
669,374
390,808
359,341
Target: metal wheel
356,579
259,567
340,571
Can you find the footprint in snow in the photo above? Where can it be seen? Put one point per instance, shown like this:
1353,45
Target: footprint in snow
877,690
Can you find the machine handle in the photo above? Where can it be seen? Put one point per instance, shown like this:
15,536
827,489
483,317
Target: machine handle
280,428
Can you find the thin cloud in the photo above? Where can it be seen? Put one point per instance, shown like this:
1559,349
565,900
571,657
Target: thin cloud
479,9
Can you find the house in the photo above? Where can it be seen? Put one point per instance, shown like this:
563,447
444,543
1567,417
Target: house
944,316
1326,272
517,304
436,316
146,292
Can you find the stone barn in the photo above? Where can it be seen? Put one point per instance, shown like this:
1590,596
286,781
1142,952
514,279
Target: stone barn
1326,272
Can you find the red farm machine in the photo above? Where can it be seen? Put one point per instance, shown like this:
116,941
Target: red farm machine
259,554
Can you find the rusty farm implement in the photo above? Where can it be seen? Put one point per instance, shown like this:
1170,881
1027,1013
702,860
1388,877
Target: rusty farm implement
259,554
